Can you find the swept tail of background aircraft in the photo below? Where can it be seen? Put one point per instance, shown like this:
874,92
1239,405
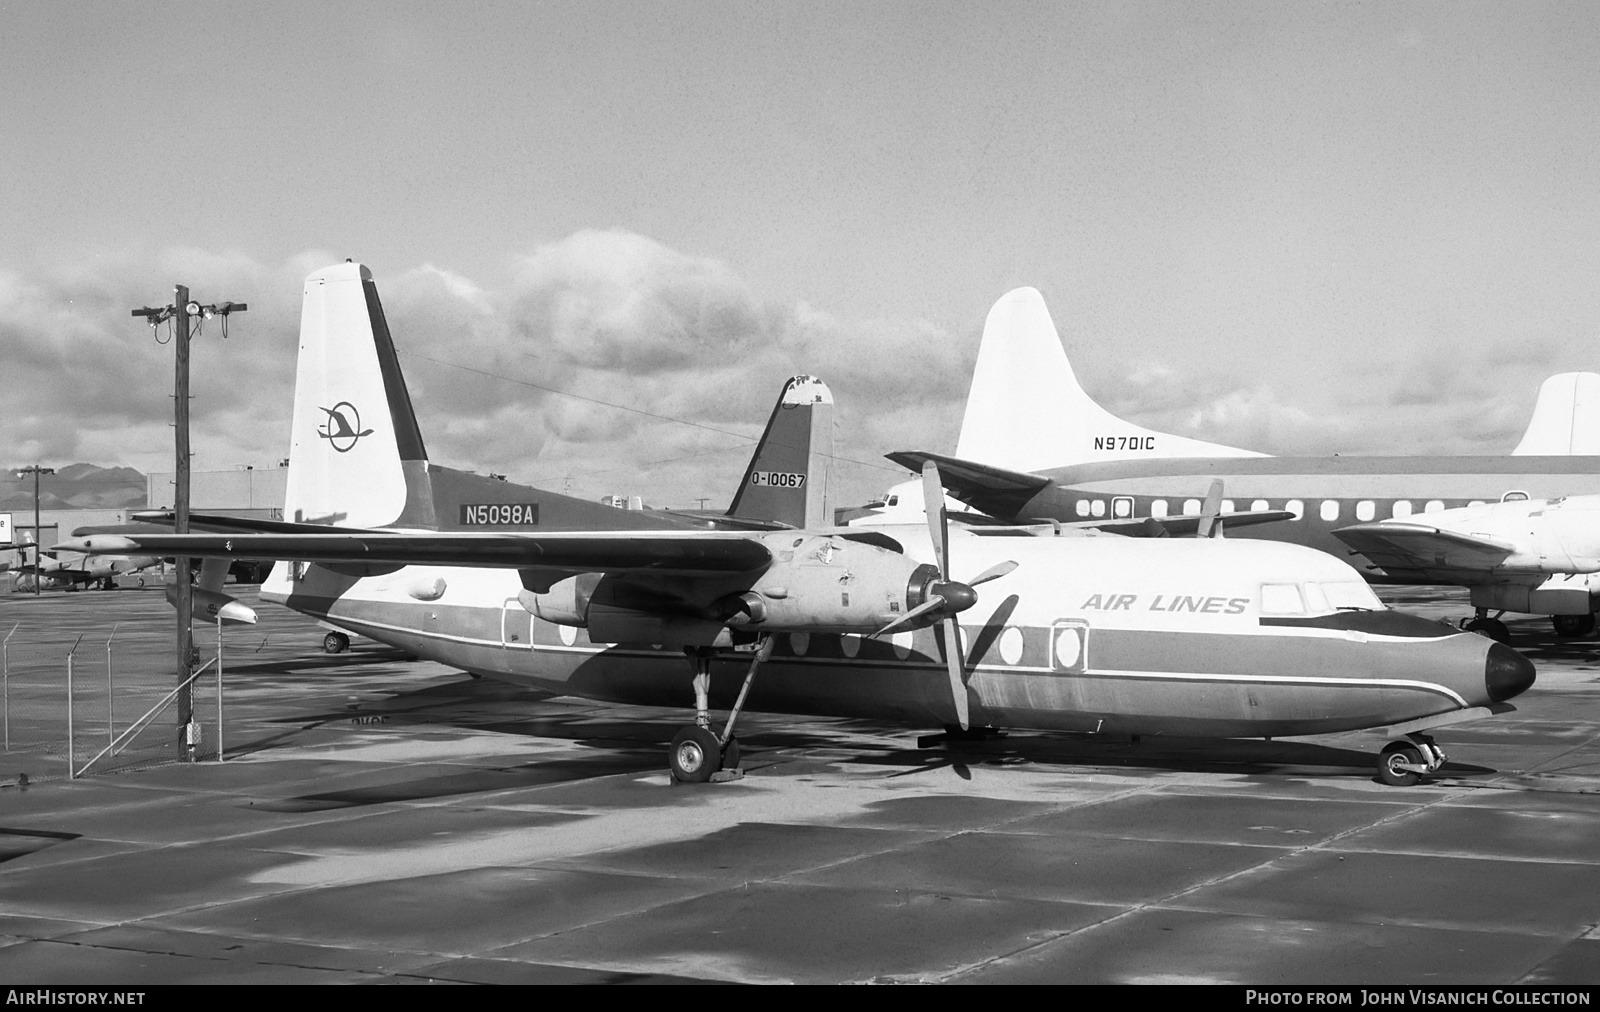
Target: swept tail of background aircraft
1096,634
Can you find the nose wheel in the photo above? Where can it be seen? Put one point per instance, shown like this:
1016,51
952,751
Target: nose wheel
1403,762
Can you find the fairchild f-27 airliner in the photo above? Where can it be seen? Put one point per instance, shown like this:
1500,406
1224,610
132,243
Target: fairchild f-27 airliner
1042,628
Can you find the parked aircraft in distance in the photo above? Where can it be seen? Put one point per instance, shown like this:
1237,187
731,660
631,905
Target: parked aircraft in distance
54,569
1050,470
1045,628
1534,556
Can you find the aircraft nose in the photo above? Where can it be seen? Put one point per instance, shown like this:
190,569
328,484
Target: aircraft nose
1506,672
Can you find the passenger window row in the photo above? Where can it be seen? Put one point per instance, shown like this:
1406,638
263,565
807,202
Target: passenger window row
1329,509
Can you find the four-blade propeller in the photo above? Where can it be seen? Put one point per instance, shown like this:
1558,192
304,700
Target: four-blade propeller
945,596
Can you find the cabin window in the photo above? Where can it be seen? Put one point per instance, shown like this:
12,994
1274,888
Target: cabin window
1364,509
1158,508
1402,508
1351,594
1259,506
1191,507
1281,599
1434,506
1122,506
1098,507
1081,507
1514,496
1296,507
1227,505
1330,509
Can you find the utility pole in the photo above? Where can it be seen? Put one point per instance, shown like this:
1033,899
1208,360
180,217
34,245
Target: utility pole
183,312
38,559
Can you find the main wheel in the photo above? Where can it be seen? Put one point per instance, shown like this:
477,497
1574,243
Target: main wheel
1490,627
335,643
1572,626
695,755
1390,769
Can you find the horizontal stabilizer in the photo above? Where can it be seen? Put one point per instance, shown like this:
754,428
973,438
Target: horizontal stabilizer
692,553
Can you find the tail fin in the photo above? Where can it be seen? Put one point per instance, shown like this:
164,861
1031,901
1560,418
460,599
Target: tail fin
356,457
1026,410
1566,418
787,479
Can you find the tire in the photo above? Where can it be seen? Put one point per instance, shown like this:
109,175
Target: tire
1490,627
335,643
1572,626
1394,753
695,755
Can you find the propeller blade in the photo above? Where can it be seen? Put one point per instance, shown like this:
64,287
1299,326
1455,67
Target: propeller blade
1210,526
994,572
938,522
953,663
921,609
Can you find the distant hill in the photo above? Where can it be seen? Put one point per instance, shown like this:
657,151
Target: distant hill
74,486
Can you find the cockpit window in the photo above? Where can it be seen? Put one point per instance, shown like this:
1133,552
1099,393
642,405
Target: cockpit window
1317,598
1352,595
1281,599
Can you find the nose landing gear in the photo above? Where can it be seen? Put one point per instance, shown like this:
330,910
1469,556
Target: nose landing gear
1404,761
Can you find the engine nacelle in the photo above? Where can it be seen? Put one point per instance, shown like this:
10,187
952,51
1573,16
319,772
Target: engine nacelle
827,584
1558,595
210,605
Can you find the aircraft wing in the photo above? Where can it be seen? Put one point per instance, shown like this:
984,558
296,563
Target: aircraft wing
994,490
689,553
1426,554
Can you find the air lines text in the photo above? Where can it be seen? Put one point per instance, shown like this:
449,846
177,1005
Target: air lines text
1168,602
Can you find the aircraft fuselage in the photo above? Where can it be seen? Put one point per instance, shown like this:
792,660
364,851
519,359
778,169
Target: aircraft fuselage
1199,638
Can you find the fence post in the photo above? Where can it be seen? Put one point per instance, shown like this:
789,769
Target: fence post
5,684
72,764
111,727
219,689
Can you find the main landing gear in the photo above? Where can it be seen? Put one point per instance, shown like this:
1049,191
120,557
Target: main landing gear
1572,626
1405,760
335,643
699,754
1493,628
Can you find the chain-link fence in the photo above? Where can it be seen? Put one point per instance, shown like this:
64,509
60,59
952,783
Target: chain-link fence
92,697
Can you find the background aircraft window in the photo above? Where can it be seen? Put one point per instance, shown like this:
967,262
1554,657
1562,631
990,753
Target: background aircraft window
1158,508
1122,506
1514,497
1354,594
1364,509
1316,603
1281,599
1434,506
1191,507
1227,505
1098,507
1259,506
894,500
1330,509
1401,509
1296,507
1081,507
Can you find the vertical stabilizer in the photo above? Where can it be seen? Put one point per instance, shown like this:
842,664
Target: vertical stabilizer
787,480
356,457
1566,418
1026,410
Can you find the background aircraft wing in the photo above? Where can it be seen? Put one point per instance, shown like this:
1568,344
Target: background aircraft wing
1425,554
691,553
994,490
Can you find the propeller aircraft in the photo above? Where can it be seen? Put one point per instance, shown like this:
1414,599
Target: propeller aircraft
1056,627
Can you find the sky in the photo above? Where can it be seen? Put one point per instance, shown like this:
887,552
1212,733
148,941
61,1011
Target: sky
605,233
